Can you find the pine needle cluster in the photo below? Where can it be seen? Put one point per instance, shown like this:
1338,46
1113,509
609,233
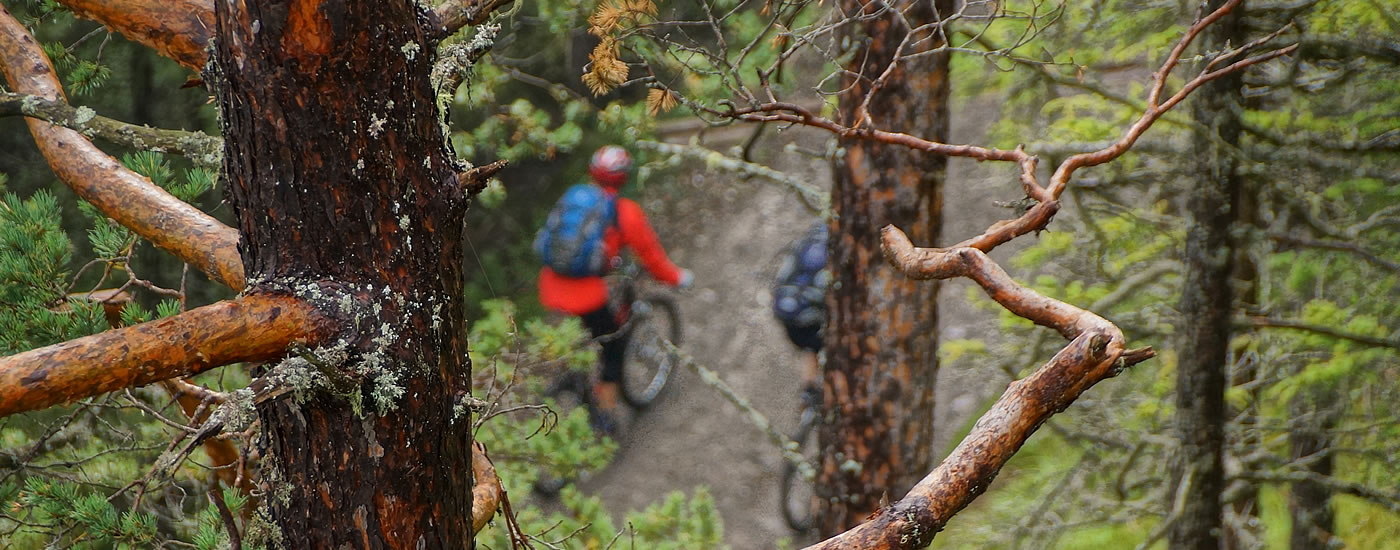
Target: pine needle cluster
606,70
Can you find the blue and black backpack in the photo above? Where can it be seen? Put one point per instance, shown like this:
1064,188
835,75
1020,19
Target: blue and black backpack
799,293
571,241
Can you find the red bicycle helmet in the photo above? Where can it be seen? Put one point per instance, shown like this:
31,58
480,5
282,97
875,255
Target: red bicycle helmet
609,166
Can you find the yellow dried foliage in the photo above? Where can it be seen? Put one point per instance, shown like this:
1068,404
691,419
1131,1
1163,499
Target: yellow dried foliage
660,101
605,70
610,14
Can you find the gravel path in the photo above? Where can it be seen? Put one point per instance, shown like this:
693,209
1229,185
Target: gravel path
730,232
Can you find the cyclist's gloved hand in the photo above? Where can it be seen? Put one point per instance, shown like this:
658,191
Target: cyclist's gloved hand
687,279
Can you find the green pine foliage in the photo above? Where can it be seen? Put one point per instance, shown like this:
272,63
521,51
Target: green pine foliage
512,367
1318,155
34,257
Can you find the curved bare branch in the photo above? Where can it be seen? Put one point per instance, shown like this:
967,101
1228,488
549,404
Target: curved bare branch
121,194
177,29
251,328
1096,352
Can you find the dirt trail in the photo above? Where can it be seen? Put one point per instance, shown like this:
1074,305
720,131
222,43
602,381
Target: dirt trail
729,232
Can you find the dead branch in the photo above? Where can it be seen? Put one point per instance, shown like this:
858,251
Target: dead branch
1267,322
121,194
935,263
202,149
455,14
474,180
971,467
251,328
1343,246
1096,352
177,29
782,442
486,495
815,199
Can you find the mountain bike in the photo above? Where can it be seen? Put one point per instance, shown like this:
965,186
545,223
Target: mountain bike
797,495
651,321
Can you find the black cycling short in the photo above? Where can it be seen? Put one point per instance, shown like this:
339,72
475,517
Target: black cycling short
602,322
807,338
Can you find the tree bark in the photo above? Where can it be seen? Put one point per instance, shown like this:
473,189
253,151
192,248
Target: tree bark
346,195
1206,307
877,438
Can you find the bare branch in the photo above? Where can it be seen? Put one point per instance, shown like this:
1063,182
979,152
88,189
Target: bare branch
474,180
967,471
814,198
1096,352
123,195
251,328
1342,246
202,149
455,14
177,29
1267,322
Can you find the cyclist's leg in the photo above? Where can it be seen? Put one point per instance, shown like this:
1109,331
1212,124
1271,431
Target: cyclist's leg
809,340
604,326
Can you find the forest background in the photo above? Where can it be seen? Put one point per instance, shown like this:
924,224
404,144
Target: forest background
1307,417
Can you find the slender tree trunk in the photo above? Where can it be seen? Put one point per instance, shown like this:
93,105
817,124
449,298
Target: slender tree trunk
1206,309
1310,440
882,332
346,196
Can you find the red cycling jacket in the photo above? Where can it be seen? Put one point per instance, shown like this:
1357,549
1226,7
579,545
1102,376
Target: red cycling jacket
578,296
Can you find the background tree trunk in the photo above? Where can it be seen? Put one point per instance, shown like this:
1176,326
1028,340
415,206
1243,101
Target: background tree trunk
1206,308
1310,442
882,330
346,195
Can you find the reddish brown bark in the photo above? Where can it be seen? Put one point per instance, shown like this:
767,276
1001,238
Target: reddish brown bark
341,180
882,329
177,29
251,328
123,195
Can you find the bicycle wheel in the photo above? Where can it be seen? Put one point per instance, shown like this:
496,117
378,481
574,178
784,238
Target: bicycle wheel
797,495
655,320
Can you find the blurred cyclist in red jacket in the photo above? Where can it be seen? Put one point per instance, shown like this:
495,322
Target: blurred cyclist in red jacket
587,297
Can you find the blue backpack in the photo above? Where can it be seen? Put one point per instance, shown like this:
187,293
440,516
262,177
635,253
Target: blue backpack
799,293
571,241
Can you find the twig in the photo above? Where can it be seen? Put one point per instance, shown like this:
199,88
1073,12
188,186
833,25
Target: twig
786,445
235,539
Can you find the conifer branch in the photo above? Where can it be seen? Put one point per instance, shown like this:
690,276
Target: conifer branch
123,195
202,149
177,29
251,328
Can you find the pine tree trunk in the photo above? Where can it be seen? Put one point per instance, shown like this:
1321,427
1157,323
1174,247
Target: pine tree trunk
882,331
1206,309
345,194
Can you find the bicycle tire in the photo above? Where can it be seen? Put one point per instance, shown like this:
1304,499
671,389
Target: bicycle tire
798,515
649,364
